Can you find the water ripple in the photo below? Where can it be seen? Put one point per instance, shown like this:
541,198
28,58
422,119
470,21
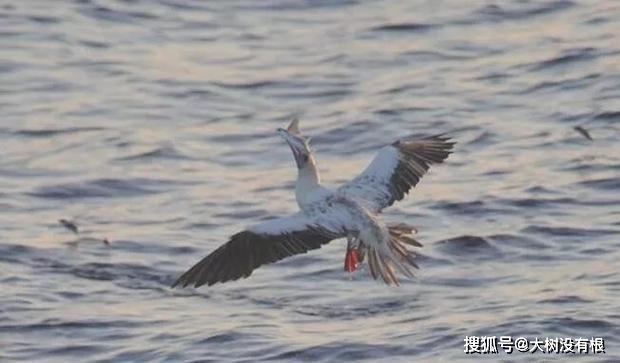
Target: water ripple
159,153
404,27
45,133
152,123
496,12
107,187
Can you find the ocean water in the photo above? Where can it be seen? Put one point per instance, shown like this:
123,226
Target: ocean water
152,124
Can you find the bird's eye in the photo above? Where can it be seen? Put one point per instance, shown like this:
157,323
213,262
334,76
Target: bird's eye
305,157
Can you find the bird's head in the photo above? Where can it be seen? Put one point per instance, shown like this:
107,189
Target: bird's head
300,145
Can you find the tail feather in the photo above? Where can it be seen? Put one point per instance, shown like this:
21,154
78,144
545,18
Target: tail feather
410,241
383,268
404,253
372,263
389,269
383,261
401,228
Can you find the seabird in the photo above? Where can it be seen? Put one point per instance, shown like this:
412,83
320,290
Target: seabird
351,211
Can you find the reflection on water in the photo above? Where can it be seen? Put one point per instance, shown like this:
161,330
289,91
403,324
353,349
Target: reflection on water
152,124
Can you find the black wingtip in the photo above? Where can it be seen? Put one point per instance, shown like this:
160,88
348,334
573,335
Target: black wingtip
247,250
183,283
177,283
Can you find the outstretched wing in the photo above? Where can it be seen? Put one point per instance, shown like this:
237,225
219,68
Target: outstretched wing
396,169
260,244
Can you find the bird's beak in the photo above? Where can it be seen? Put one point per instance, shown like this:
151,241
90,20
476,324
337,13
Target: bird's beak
296,144
284,134
290,139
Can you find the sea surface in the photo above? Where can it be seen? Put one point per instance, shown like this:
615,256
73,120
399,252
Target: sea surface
152,124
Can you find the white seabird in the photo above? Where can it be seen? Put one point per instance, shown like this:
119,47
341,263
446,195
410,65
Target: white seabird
350,211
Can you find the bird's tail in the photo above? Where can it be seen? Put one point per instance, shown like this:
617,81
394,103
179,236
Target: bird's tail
386,259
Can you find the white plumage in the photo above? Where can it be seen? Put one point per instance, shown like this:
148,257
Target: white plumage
349,211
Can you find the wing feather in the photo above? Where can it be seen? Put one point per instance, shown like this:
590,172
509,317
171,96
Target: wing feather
396,169
261,244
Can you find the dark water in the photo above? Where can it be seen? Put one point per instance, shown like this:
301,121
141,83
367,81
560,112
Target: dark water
152,123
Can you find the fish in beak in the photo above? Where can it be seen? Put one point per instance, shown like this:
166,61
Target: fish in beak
298,143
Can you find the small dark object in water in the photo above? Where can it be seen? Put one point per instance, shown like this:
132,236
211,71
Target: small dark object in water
583,132
106,242
69,225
